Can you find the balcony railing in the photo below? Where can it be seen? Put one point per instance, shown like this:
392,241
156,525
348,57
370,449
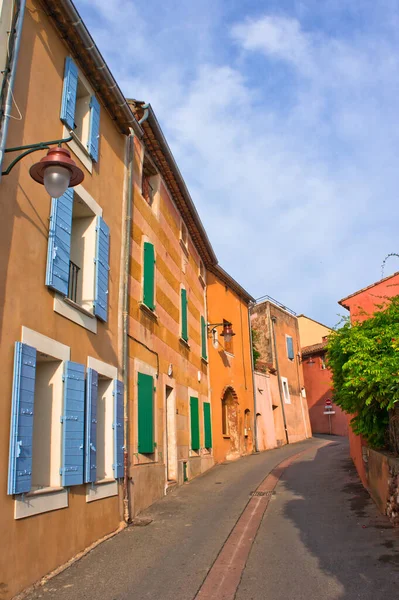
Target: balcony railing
73,281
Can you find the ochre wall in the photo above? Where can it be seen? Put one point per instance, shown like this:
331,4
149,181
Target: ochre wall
155,340
38,544
311,332
297,417
230,370
318,385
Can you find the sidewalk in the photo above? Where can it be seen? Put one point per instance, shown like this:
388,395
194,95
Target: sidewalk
170,558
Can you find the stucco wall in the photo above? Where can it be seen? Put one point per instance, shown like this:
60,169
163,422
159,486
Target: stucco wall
155,340
310,331
362,304
38,544
266,426
230,370
296,412
318,385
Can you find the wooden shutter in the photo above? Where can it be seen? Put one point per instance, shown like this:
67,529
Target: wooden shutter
203,338
145,385
91,426
102,270
94,129
118,427
73,424
194,418
59,242
184,327
69,91
290,347
149,272
207,425
21,433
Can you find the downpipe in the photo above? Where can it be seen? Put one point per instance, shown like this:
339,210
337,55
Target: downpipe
12,70
125,324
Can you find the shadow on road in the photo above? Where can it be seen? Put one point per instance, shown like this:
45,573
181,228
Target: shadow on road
340,525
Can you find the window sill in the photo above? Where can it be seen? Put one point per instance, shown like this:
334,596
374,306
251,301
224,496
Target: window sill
185,343
148,311
184,248
79,308
226,437
79,149
104,488
40,501
72,311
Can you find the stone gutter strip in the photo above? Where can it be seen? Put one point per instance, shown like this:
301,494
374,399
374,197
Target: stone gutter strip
223,579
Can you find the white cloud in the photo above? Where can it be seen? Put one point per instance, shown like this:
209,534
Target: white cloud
287,136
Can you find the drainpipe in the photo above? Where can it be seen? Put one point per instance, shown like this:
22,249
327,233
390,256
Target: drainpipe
11,72
146,108
280,385
125,321
253,378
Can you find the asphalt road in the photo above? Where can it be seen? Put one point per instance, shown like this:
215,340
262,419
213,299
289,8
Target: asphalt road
321,538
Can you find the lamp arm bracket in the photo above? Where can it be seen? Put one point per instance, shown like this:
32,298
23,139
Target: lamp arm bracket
29,148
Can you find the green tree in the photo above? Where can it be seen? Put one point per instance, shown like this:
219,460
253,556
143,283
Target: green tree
364,360
255,352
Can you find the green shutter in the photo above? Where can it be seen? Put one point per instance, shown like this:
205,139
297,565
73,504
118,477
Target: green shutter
148,283
203,338
194,417
145,384
184,328
207,425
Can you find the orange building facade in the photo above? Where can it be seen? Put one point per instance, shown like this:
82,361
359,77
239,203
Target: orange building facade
57,336
280,389
230,365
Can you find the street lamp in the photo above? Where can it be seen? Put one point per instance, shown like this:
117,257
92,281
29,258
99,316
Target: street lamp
227,331
56,171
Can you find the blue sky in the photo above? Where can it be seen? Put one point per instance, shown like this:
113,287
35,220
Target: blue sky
283,118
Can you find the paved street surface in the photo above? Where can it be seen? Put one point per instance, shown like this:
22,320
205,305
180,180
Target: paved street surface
321,538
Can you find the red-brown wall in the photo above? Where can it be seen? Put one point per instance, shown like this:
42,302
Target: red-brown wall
318,385
364,303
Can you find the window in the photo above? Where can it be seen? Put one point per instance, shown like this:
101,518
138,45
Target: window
80,110
184,237
183,313
149,276
145,394
204,331
47,430
286,391
194,424
323,363
202,272
290,347
149,181
225,416
78,253
207,425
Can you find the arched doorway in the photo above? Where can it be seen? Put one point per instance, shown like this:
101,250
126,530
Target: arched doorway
230,429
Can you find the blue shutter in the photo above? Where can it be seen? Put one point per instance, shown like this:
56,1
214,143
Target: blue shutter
290,347
21,434
69,91
94,131
102,268
73,424
118,429
91,426
59,242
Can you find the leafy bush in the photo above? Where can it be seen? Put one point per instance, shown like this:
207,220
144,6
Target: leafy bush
364,360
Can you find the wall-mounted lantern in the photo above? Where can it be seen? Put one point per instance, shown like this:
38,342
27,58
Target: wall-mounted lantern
227,331
56,171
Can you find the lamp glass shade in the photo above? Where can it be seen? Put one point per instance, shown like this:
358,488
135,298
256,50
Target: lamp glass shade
56,180
227,337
